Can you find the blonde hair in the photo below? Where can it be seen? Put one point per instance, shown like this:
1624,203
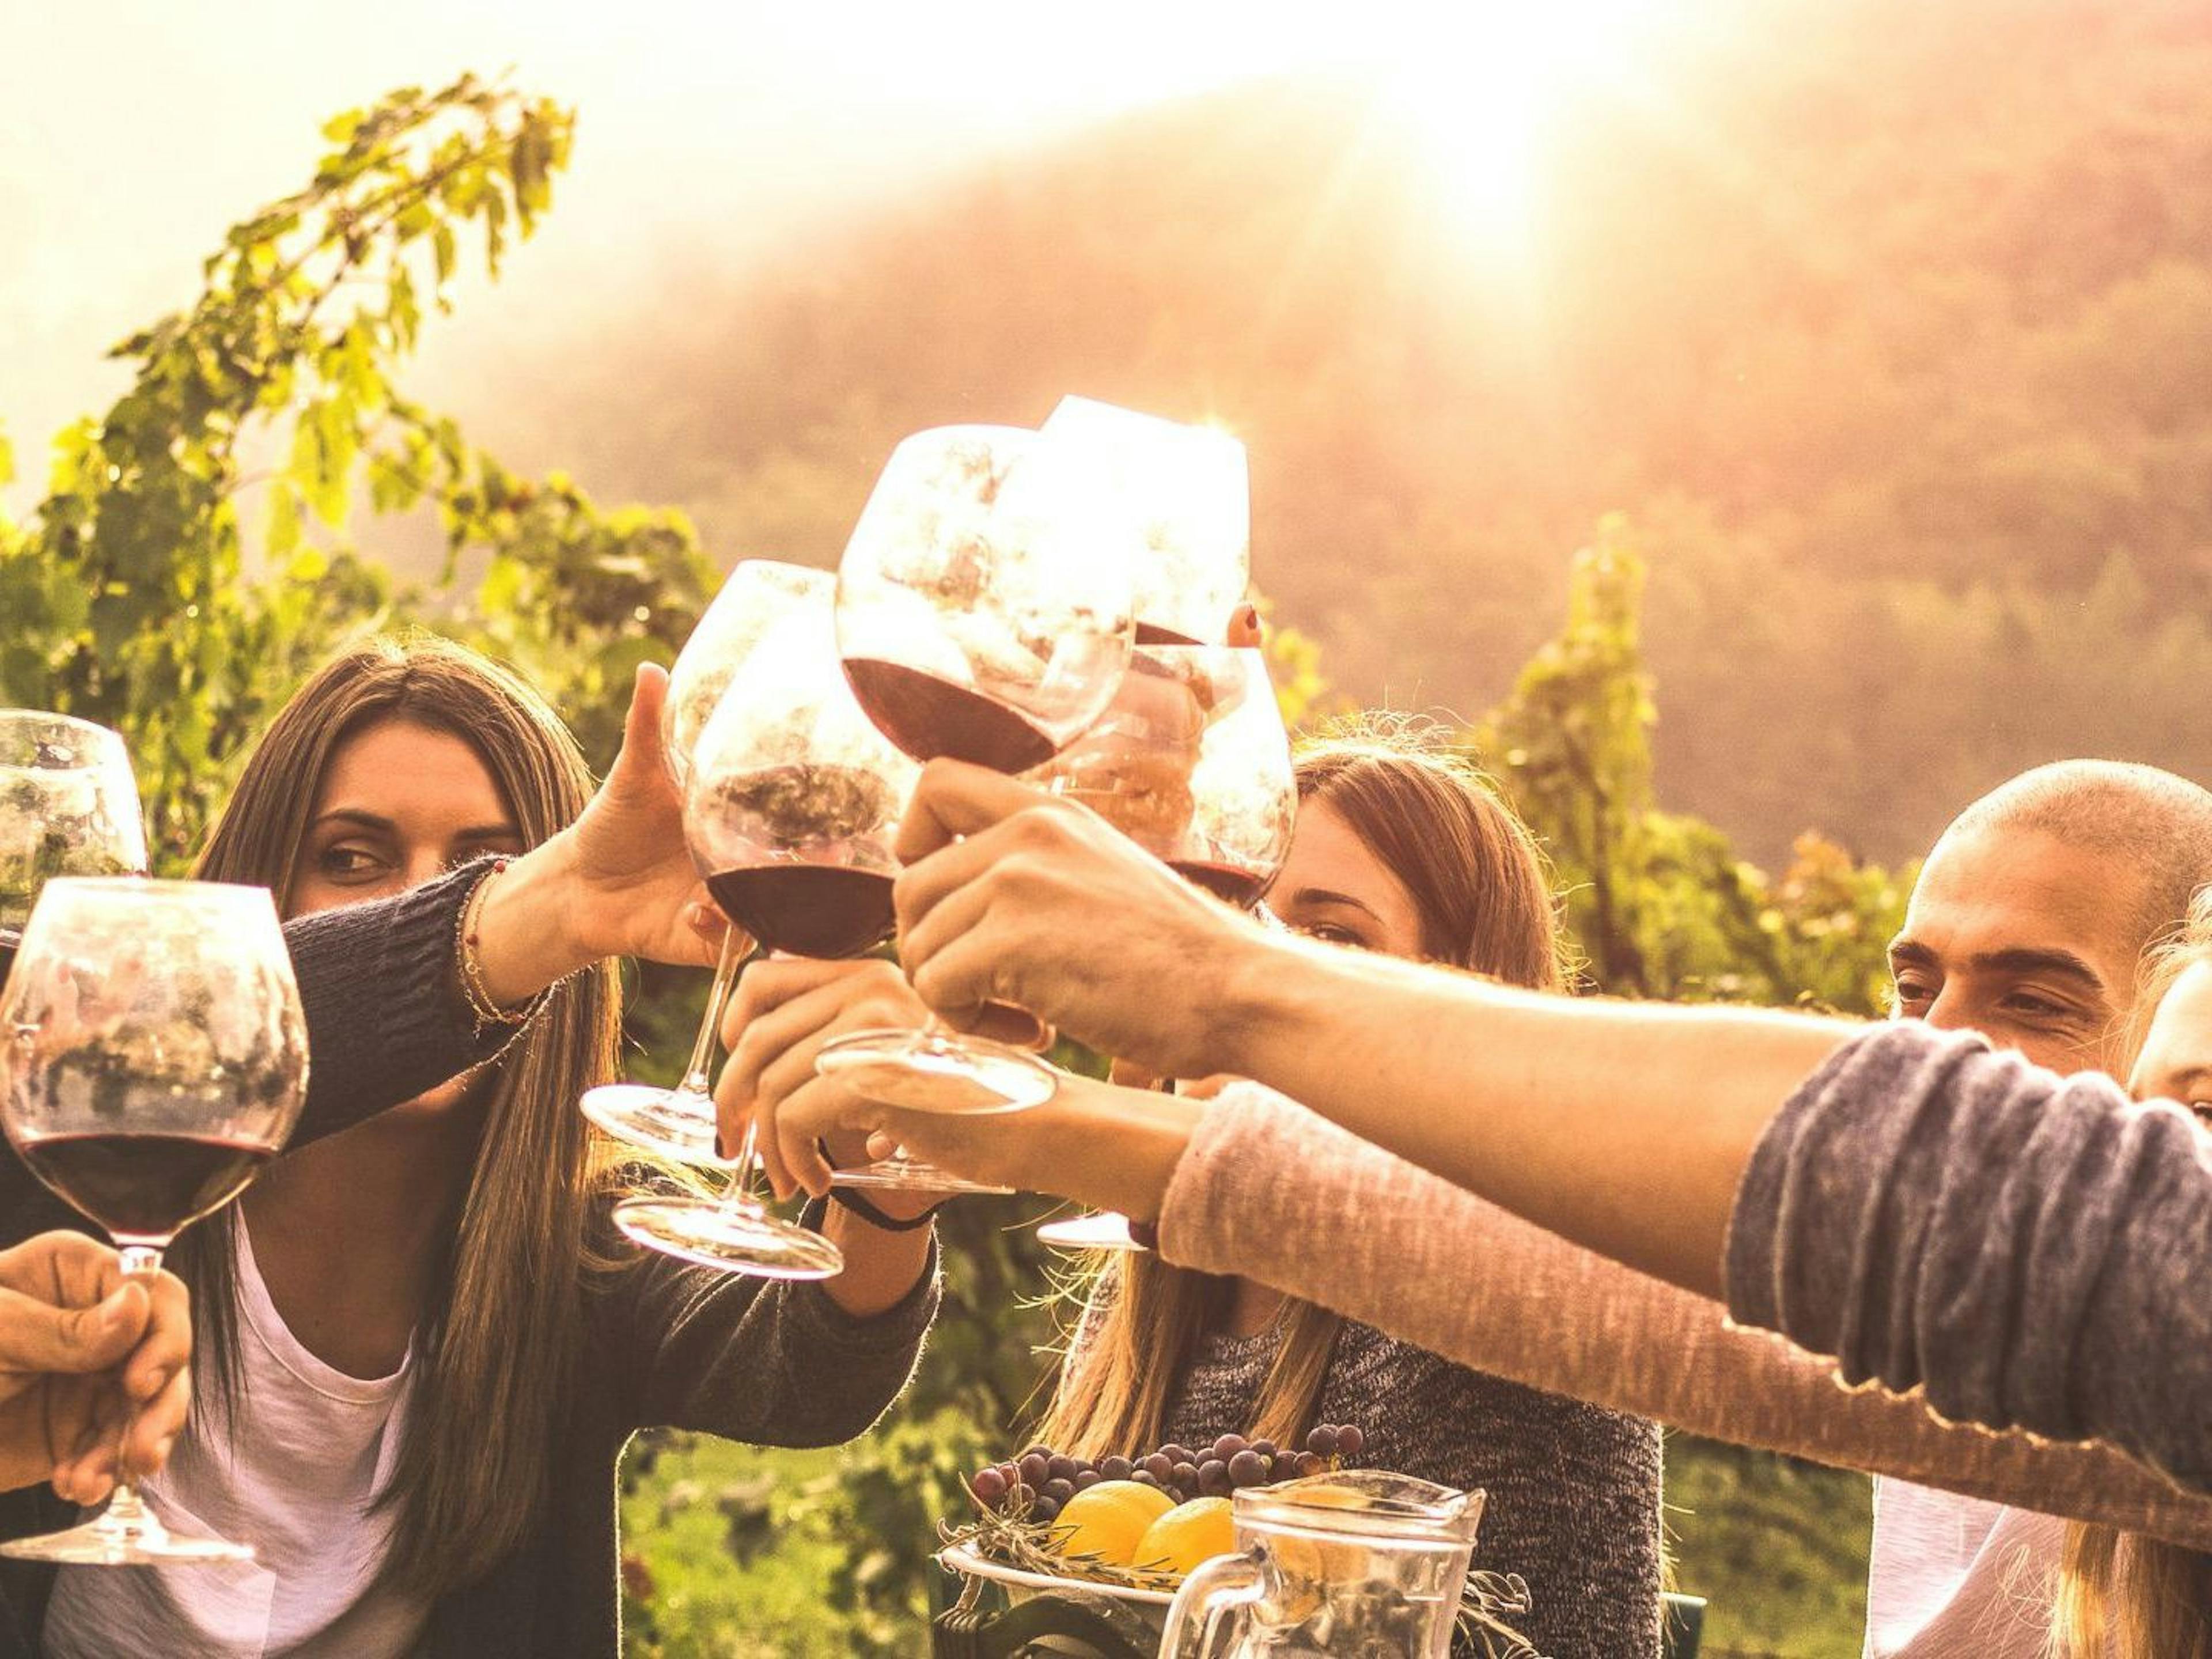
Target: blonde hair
501,1341
1480,885
2120,1591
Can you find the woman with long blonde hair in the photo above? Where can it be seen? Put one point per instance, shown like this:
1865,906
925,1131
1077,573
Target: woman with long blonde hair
1400,849
423,1347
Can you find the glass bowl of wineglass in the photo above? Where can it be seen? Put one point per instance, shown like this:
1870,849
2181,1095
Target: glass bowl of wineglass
157,1059
759,596
69,806
1185,493
1191,762
791,809
983,613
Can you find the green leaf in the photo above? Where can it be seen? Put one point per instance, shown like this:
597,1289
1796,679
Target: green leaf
283,522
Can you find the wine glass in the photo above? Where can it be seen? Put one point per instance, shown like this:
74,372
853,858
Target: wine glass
982,613
157,1058
69,806
791,809
1189,491
1193,764
759,595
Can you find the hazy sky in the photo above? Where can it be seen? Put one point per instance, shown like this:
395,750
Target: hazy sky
137,129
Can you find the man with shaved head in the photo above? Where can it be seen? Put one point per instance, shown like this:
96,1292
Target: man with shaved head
2026,925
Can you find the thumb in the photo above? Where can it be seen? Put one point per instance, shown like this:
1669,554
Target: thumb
641,744
36,1337
956,799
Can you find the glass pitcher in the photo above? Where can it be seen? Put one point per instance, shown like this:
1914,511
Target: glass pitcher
1360,1565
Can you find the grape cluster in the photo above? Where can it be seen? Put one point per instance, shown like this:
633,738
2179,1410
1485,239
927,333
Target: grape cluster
1040,1480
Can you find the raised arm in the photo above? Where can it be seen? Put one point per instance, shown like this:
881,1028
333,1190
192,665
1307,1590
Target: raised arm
1623,1126
1267,1188
2061,1297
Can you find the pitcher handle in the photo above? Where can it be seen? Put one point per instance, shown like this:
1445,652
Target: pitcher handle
1212,1587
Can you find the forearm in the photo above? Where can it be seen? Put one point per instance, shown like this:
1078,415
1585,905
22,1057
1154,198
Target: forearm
1623,1126
882,1265
525,939
2028,1249
1269,1191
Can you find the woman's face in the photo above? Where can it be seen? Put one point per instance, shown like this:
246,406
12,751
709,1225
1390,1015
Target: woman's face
1332,888
2176,1061
400,805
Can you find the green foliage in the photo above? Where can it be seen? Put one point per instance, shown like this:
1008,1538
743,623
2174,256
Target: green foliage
1659,904
130,594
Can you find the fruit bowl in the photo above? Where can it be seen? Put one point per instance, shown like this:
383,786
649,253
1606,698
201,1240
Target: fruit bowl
1021,1583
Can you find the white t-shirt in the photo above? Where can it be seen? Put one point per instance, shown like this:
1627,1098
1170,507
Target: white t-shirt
294,1477
1954,1577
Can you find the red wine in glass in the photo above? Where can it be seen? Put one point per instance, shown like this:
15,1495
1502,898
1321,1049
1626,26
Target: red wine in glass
1232,883
145,1185
820,910
929,718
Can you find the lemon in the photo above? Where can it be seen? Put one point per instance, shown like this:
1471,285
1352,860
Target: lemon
1188,1535
1109,1519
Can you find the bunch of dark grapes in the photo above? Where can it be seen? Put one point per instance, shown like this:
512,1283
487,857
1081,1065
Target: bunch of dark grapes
1038,1482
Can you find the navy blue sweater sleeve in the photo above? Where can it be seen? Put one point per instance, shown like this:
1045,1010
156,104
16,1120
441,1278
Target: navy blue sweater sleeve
2030,1250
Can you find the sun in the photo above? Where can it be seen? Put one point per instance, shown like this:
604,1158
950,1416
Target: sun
1478,87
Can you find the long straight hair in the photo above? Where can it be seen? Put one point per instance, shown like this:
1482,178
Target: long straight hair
499,1345
1481,887
2120,1591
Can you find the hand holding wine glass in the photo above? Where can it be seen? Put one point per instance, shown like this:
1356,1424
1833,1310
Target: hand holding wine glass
157,1059
759,596
791,804
982,613
83,1350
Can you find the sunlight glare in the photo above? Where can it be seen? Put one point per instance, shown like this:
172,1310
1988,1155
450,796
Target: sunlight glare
1476,87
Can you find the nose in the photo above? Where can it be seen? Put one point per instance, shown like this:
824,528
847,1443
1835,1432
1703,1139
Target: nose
1949,1012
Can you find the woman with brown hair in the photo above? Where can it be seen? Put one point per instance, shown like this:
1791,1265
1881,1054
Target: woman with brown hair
1400,848
423,1347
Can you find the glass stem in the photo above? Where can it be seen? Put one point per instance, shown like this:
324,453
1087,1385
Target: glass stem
124,1507
697,1088
740,1195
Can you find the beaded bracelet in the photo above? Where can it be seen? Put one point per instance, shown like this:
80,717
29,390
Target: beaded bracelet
482,1008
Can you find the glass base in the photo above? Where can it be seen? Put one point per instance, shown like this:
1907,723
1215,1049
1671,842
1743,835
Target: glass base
656,1120
1104,1230
734,1236
133,1538
937,1071
900,1174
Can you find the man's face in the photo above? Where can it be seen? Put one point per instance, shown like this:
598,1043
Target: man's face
2026,939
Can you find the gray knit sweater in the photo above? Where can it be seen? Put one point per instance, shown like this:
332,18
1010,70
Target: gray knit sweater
1573,1490
2031,1251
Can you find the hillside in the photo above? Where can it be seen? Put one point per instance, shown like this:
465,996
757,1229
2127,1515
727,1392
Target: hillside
1891,328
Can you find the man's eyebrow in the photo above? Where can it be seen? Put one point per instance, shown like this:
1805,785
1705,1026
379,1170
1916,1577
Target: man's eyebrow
2039,959
1902,949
